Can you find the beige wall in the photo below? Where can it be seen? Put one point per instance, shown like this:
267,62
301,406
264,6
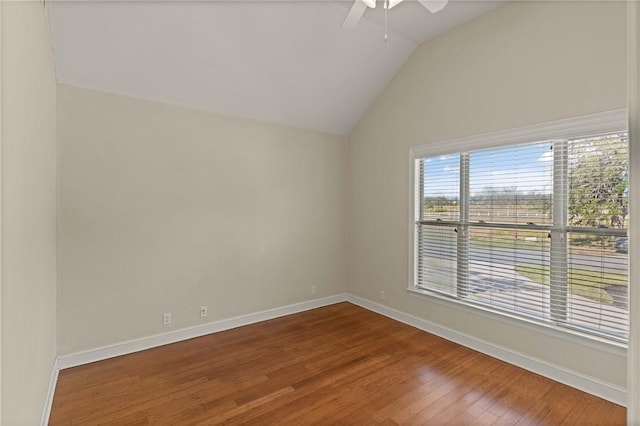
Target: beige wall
524,63
165,209
28,212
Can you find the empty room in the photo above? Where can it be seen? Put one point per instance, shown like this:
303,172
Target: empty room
319,212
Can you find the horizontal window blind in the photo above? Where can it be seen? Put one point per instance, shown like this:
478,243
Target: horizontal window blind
535,229
512,185
440,183
597,223
437,258
439,209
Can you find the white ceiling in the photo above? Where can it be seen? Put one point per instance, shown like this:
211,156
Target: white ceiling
287,62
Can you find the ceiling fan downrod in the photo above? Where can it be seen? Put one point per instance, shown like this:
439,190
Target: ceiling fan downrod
386,10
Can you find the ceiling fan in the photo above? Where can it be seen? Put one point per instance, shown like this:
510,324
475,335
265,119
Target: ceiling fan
359,6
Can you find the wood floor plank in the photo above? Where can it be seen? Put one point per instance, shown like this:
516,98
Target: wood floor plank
339,364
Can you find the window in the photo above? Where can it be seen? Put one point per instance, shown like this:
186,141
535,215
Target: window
532,229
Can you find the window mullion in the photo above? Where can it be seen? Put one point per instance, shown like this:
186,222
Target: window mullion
463,229
558,255
419,209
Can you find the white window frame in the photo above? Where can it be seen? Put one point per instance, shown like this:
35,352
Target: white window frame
587,125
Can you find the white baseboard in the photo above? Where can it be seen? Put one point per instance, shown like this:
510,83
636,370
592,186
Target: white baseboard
48,403
574,379
124,348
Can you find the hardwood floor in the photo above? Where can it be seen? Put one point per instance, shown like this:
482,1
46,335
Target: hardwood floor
340,364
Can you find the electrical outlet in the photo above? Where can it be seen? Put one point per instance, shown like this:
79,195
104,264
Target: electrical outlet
313,289
166,318
203,311
383,296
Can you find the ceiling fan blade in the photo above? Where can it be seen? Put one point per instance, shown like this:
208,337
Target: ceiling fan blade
356,12
434,5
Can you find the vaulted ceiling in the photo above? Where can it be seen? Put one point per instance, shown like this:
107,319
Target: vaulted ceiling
286,62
